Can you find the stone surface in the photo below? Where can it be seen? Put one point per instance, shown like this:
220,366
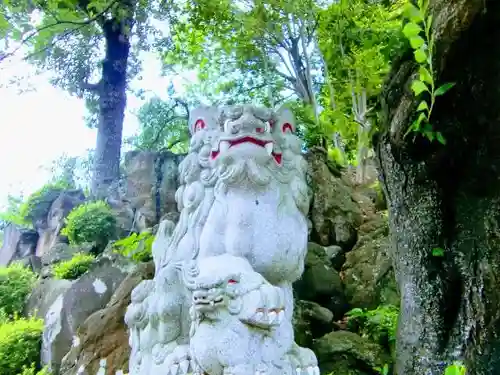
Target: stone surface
368,274
18,243
44,295
311,320
320,282
89,293
104,334
346,353
334,213
49,228
151,183
248,159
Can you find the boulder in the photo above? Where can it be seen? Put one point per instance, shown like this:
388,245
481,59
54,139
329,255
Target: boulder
346,353
334,213
90,293
310,321
104,334
320,282
150,185
368,274
49,228
18,243
44,294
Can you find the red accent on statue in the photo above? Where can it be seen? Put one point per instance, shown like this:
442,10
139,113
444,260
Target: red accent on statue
286,126
232,281
200,124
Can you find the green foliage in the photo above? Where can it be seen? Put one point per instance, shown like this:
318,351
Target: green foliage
13,213
136,246
456,368
16,283
90,222
379,324
74,268
38,204
418,32
358,40
20,342
163,126
32,370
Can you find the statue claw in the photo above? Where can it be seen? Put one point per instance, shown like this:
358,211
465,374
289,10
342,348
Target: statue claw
310,370
298,370
184,367
174,369
316,370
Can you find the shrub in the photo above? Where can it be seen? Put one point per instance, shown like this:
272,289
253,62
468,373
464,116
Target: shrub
20,342
379,325
74,268
90,222
32,371
16,283
38,204
136,246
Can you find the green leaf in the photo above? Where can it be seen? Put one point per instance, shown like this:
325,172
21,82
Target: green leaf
418,87
423,106
411,30
416,42
440,138
441,90
438,252
425,75
429,135
420,55
428,24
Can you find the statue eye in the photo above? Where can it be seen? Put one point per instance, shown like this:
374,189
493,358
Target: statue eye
232,281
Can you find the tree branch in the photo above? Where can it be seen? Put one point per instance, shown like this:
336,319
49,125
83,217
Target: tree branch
35,32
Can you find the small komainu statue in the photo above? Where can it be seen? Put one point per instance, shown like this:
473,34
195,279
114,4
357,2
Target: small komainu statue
221,301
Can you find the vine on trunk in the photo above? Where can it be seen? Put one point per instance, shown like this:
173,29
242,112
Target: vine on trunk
418,32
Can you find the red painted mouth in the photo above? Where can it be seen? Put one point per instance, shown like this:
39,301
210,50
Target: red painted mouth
255,141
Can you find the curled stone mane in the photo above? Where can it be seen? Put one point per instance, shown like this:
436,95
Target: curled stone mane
193,201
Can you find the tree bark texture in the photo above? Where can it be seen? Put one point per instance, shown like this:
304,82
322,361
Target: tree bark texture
112,103
447,197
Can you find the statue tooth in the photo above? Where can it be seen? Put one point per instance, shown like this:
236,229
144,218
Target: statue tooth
212,303
269,147
272,317
224,146
259,316
281,316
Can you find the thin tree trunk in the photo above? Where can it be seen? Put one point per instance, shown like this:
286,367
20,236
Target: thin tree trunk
444,200
112,103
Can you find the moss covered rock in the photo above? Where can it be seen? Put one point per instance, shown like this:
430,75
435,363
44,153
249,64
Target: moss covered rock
320,282
368,275
346,353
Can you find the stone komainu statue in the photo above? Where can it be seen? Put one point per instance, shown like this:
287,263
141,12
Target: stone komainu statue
243,203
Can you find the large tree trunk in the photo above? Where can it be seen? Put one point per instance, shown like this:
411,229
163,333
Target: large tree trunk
448,197
112,103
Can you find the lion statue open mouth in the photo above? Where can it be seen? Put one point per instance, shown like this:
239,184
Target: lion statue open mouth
238,320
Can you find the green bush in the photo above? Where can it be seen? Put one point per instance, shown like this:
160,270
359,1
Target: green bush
32,371
90,222
16,283
74,268
379,324
38,204
136,246
20,342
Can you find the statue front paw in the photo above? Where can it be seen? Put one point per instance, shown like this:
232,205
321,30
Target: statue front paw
179,361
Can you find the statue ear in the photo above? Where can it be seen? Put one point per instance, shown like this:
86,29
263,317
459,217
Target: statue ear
284,121
201,118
